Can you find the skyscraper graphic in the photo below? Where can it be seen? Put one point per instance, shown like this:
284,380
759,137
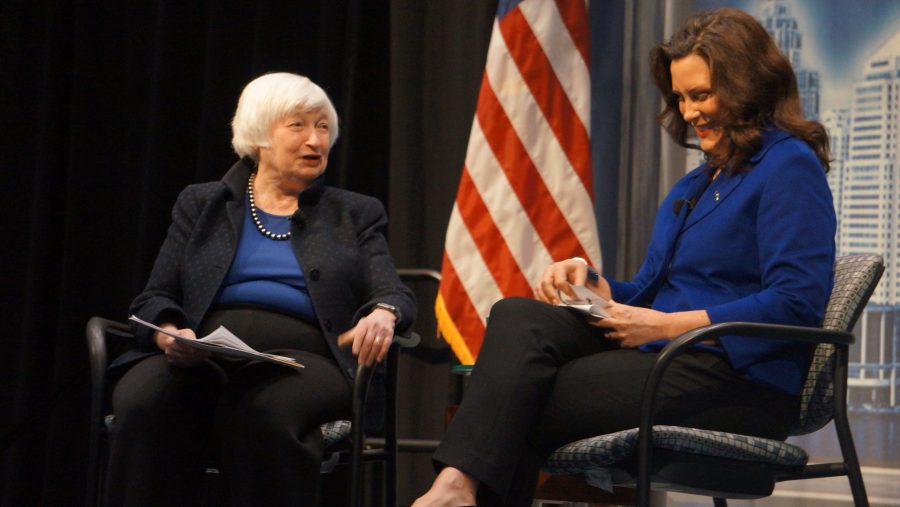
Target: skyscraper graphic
870,213
870,218
837,123
865,183
782,26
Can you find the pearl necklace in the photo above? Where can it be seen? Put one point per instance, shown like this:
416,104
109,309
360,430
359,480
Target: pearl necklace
255,216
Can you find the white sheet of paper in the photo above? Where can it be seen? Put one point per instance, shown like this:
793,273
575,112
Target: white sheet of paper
223,341
585,301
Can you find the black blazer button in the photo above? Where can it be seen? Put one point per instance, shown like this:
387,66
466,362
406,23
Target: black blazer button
327,325
314,275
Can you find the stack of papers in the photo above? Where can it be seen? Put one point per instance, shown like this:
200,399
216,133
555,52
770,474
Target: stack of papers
225,343
585,301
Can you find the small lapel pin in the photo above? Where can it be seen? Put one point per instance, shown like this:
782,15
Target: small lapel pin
716,196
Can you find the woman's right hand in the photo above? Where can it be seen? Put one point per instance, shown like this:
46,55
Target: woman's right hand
560,275
179,354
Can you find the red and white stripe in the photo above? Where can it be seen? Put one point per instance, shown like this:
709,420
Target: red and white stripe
525,195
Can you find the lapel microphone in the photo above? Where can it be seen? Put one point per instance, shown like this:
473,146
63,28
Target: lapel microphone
696,189
679,203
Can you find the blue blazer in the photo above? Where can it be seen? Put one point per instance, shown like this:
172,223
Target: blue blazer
758,246
340,246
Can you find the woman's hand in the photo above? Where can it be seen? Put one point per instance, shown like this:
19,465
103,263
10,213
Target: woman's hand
371,336
179,354
633,326
559,275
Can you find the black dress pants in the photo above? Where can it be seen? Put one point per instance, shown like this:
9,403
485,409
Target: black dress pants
259,422
545,378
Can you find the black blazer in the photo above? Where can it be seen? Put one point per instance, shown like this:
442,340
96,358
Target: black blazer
338,240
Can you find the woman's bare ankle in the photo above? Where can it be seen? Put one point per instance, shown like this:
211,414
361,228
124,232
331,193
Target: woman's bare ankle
451,488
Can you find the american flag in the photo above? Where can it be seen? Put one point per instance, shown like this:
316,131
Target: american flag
525,195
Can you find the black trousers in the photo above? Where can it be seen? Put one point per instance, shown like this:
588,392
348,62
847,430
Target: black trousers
258,421
545,378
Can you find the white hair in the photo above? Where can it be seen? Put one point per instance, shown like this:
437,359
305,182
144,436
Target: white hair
270,98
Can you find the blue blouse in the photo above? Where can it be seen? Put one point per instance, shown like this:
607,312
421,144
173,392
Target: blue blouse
265,272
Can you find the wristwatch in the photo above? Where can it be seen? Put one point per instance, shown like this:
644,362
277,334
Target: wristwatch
391,308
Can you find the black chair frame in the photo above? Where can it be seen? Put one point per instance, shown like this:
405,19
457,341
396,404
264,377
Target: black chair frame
849,466
841,340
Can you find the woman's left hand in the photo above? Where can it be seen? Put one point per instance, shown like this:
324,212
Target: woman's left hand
633,326
372,336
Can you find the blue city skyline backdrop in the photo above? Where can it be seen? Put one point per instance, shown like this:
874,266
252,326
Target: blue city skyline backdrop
838,36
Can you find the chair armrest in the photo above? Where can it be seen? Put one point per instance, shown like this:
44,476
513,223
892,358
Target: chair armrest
364,374
407,342
770,331
689,339
97,331
361,384
764,331
418,275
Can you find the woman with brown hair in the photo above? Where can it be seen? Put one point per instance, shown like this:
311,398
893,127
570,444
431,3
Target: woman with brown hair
755,86
747,236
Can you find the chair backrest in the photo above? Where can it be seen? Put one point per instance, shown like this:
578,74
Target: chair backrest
855,278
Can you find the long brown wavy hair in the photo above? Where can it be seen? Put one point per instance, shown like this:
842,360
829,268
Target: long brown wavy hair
752,80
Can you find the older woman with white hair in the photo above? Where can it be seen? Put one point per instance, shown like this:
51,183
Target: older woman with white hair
287,264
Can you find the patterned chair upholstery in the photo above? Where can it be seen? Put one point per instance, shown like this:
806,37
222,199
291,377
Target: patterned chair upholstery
335,432
611,460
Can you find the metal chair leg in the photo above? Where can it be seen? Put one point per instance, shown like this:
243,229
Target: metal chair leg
845,437
361,384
